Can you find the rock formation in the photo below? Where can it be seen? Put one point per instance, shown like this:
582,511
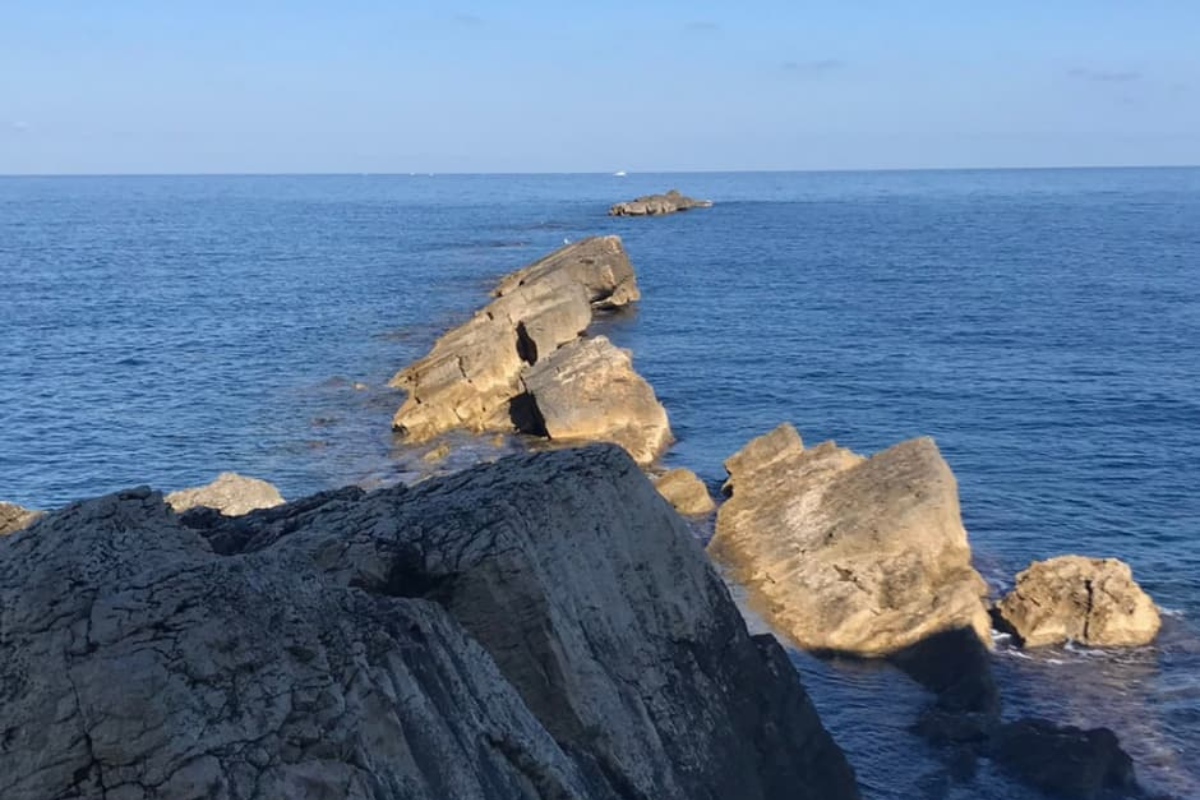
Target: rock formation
230,493
543,627
656,204
486,374
845,553
1067,761
1091,601
14,517
685,492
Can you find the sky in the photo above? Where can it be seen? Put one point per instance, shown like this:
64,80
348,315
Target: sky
259,86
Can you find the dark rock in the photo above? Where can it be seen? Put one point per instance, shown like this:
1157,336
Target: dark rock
1067,761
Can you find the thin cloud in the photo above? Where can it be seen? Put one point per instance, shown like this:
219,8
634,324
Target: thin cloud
468,20
1105,76
815,67
702,26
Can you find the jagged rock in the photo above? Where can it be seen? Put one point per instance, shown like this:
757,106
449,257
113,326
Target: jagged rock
476,376
1092,601
848,554
655,204
542,627
14,517
685,492
230,493
588,391
1068,761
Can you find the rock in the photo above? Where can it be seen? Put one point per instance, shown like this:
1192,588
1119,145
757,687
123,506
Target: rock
848,554
14,518
474,378
230,493
685,492
655,204
1092,601
543,627
956,667
588,391
1065,760
436,454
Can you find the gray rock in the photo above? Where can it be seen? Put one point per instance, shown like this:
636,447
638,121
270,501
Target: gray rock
543,627
14,518
229,493
657,204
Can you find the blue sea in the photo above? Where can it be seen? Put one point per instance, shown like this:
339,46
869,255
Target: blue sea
1043,326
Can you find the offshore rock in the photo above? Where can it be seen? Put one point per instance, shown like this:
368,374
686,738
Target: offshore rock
657,204
686,493
475,377
542,627
848,554
589,391
230,493
14,518
1092,601
1067,761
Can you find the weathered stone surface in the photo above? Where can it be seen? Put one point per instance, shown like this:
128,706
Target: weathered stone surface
685,492
543,627
588,391
1093,601
230,493
474,373
656,204
14,517
1068,761
843,553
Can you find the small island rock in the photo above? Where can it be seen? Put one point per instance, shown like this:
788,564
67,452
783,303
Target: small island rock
685,492
850,554
1092,601
657,204
230,493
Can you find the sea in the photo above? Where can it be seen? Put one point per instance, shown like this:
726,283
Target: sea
1042,325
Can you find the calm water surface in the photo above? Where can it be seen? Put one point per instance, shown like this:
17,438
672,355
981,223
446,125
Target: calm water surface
1044,326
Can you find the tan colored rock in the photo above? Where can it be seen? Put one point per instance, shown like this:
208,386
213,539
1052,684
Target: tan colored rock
1092,601
686,492
14,518
587,391
472,373
657,204
846,553
230,493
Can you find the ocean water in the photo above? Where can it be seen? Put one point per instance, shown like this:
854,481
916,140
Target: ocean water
1043,326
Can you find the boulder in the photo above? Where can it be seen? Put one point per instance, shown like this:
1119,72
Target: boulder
588,391
541,627
656,204
229,493
1092,601
475,377
1067,761
14,517
849,554
685,492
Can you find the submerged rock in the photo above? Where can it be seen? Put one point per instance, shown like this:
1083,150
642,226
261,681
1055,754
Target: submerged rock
845,553
656,204
685,492
543,627
229,493
1068,761
1092,601
588,391
483,375
14,517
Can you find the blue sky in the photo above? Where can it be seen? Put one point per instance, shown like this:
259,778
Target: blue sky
366,86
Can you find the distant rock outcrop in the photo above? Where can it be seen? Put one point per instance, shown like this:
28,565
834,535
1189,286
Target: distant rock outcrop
685,492
14,517
1092,601
845,553
542,627
520,362
657,204
230,493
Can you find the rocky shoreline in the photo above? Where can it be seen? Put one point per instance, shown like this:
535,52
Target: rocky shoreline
553,609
